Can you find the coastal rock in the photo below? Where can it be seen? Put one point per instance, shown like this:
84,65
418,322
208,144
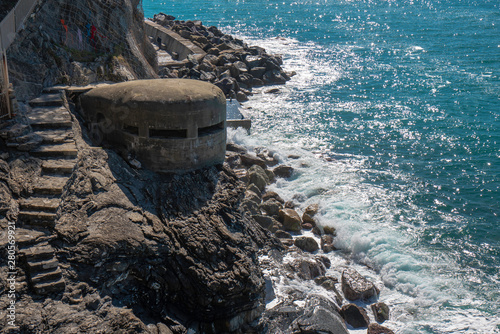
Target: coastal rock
320,317
380,312
307,226
308,219
255,189
258,177
312,209
307,244
268,223
271,207
327,243
283,234
252,196
283,171
355,286
236,148
290,219
250,160
355,316
375,328
329,230
274,195
307,268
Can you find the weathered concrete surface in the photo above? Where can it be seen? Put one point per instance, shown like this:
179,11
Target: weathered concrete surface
168,124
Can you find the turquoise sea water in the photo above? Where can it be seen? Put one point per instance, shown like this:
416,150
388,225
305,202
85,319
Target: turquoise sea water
395,111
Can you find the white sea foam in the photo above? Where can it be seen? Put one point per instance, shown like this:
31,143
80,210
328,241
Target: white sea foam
420,285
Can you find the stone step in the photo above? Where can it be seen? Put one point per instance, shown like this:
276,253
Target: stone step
55,136
40,204
38,253
46,276
46,265
49,117
47,100
57,150
37,218
49,287
50,185
61,166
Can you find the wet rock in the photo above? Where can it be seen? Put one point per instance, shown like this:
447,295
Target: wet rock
355,286
250,207
235,148
271,207
307,244
274,195
329,230
327,243
374,328
290,219
257,72
307,226
312,209
283,234
290,205
307,268
250,160
257,82
258,177
241,97
318,320
380,312
354,316
283,171
272,91
308,219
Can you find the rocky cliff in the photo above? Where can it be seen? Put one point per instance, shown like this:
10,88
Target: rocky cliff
78,42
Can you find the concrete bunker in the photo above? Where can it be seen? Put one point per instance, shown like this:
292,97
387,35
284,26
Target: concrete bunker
170,125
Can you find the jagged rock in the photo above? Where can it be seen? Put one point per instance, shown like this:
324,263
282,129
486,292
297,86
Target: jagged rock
327,243
312,209
273,91
354,316
355,286
307,244
380,312
241,97
329,230
274,195
307,226
307,219
374,328
290,219
255,189
185,225
283,171
257,72
250,160
250,207
271,207
307,268
266,222
252,196
283,234
236,148
258,176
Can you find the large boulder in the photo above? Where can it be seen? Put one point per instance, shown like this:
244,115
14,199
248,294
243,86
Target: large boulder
378,329
380,312
355,286
258,177
290,219
307,244
355,315
271,207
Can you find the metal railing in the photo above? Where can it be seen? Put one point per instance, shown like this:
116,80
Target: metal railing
9,27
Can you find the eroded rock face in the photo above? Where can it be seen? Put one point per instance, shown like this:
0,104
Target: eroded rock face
355,286
191,254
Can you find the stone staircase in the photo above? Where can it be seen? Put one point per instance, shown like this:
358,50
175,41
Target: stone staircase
51,121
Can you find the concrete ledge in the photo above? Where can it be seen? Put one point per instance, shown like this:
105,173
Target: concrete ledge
174,43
